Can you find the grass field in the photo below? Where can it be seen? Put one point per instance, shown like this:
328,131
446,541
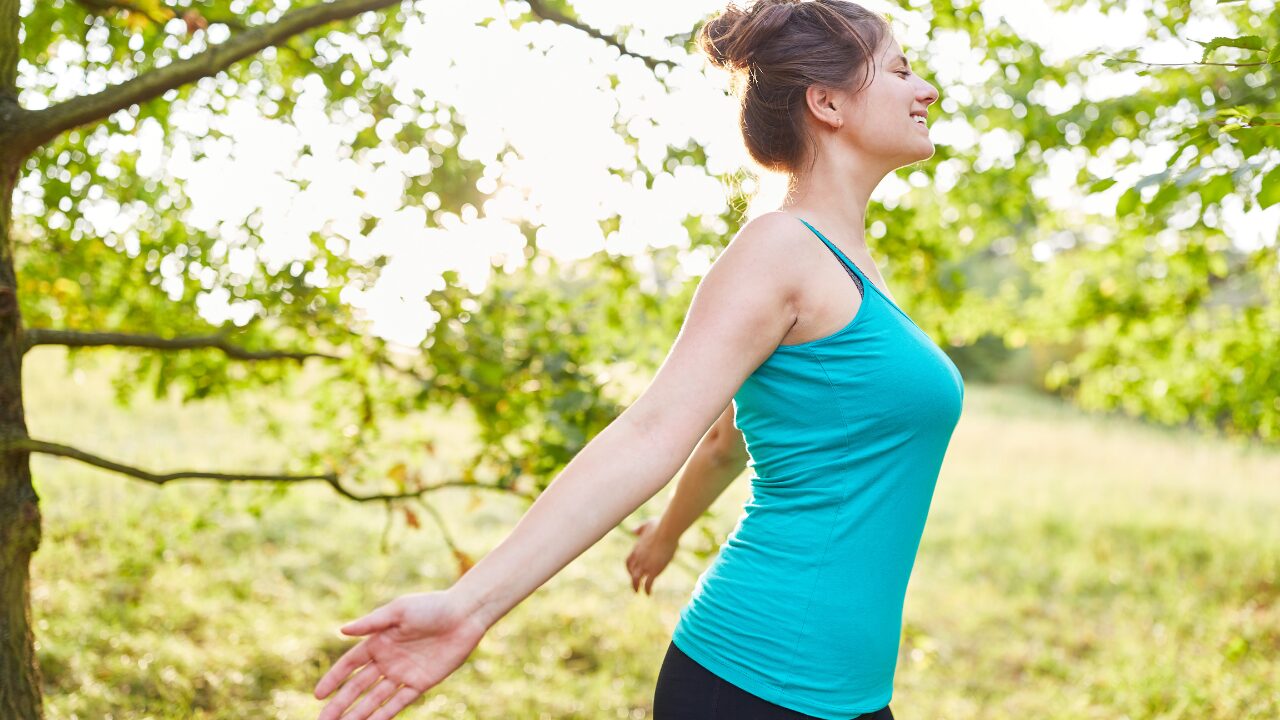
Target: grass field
1072,567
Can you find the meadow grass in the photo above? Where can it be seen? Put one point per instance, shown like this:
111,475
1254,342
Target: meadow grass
1073,566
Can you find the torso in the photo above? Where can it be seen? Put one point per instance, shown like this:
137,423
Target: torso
803,603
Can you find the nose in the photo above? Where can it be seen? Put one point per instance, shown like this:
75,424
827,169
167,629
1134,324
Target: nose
929,95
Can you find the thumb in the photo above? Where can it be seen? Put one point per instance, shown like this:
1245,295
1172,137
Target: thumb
379,619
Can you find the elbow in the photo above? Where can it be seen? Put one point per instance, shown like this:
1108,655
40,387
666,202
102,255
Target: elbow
728,452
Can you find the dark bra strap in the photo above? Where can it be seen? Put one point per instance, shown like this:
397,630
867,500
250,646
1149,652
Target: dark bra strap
857,280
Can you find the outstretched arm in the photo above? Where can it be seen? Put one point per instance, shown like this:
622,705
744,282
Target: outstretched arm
741,311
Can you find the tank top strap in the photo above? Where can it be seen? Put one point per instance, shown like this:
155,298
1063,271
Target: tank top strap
839,255
849,263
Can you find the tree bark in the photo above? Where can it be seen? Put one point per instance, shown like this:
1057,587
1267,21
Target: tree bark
19,505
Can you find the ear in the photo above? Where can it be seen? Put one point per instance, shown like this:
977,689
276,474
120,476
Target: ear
824,104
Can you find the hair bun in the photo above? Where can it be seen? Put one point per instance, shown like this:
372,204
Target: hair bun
731,39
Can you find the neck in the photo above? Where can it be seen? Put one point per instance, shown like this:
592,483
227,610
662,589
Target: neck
833,196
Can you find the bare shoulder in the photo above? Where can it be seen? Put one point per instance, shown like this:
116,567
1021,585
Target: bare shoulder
772,232
766,248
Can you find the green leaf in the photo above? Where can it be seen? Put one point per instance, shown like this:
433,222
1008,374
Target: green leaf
1215,189
1101,185
1244,42
1270,193
1164,197
1128,201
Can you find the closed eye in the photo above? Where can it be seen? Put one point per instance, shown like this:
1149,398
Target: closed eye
903,73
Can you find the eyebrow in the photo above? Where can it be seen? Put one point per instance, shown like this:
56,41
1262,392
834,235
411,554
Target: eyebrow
903,58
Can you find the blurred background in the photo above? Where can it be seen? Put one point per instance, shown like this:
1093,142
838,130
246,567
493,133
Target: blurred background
398,261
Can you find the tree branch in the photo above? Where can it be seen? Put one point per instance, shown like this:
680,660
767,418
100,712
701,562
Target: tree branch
73,338
1224,64
29,444
43,125
540,9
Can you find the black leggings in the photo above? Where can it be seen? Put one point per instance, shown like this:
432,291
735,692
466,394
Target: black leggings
689,691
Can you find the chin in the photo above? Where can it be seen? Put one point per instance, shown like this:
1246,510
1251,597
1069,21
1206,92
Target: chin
925,155
909,159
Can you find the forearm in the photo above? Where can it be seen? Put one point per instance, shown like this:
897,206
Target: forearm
618,471
707,475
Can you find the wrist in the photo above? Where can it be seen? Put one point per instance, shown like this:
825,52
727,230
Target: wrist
471,603
663,532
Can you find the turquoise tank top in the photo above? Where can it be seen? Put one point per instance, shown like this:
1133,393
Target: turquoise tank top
802,605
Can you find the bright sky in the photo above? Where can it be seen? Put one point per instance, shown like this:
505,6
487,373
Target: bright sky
551,103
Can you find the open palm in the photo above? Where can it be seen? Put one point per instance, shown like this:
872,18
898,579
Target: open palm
413,643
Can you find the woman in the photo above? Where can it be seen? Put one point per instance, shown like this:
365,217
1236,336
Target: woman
846,407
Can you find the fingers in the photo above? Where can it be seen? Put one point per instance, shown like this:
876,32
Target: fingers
367,676
373,699
637,579
648,586
350,660
379,619
398,702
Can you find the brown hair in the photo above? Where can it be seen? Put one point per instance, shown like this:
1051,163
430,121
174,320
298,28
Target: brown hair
777,49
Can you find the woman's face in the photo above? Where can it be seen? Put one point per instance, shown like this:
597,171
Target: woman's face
880,122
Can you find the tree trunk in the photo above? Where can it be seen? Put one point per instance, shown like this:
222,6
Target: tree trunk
19,505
